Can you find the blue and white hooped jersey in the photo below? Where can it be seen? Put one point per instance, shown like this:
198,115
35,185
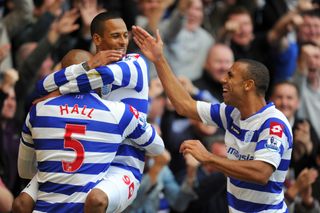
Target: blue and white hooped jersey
75,139
264,136
125,81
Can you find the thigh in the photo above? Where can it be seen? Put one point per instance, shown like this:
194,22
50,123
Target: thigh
121,188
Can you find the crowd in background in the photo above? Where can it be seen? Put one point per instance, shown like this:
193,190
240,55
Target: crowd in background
202,39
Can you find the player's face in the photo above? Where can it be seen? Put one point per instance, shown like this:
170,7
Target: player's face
285,98
233,84
115,36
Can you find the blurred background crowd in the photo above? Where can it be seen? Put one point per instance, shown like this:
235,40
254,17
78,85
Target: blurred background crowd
202,39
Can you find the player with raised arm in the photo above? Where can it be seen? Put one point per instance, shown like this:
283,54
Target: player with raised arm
74,139
129,78
258,136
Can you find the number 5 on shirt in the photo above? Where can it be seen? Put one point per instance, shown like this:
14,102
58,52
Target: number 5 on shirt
71,143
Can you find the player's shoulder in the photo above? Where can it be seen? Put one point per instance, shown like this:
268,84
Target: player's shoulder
272,113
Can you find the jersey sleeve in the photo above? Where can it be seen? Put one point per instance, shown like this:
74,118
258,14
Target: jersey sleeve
142,133
56,79
126,73
26,158
275,137
212,114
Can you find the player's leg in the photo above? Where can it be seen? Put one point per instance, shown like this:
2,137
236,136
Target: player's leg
25,202
119,188
96,201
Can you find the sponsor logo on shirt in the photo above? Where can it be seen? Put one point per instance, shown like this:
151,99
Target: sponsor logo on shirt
134,112
273,144
276,129
129,57
238,155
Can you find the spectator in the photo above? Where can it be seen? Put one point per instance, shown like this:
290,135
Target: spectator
299,195
307,78
186,43
219,61
9,128
286,98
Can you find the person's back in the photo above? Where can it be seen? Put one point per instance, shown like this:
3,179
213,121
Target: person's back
84,135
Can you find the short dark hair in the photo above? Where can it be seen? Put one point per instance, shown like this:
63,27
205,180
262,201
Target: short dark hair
97,22
259,73
312,12
236,10
286,82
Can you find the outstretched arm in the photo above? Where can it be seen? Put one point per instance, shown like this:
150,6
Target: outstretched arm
153,49
125,73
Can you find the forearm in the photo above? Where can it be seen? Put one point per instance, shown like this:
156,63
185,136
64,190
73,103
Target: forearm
182,101
276,35
172,27
246,170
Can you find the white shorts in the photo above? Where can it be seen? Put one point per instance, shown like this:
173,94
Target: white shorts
32,188
121,187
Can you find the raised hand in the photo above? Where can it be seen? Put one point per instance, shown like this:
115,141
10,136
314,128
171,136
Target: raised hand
151,47
88,10
67,23
302,135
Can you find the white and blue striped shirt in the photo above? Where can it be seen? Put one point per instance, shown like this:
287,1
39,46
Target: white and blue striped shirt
75,139
125,81
265,136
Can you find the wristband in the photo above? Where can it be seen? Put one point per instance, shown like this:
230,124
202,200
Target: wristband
85,66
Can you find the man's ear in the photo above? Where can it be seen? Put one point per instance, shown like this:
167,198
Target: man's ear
96,39
249,84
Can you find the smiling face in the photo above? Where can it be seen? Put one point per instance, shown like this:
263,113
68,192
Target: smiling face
285,98
115,36
219,61
233,84
244,34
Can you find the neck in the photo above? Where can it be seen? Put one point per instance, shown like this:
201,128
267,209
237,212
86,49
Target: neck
251,106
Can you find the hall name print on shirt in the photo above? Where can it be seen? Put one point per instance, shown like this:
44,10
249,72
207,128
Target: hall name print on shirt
65,110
